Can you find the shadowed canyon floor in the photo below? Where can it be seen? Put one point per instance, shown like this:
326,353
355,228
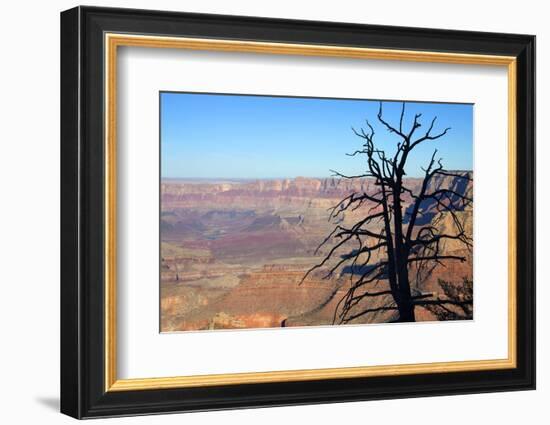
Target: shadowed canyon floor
233,252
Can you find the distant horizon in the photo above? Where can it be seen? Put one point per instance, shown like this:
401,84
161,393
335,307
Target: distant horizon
258,137
295,177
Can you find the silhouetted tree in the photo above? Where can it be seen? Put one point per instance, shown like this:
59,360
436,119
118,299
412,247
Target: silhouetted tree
393,239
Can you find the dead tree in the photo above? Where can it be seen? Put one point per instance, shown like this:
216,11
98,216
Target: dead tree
388,246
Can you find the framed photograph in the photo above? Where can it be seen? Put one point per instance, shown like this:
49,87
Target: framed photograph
261,212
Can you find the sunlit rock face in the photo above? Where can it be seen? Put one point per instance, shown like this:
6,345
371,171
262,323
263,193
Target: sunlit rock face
234,252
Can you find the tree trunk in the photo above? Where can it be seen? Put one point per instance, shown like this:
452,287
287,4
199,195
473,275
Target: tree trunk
406,312
403,299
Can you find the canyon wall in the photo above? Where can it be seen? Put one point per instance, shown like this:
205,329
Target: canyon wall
234,252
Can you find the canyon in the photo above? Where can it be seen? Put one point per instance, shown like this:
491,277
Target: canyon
234,252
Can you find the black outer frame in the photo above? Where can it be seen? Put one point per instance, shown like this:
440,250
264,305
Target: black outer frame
82,219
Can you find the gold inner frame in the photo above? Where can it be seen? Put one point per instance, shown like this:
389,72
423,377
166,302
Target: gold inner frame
113,41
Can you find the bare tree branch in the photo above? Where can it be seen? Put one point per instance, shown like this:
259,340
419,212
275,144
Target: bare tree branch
382,247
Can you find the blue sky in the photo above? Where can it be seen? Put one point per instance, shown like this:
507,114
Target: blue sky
234,136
